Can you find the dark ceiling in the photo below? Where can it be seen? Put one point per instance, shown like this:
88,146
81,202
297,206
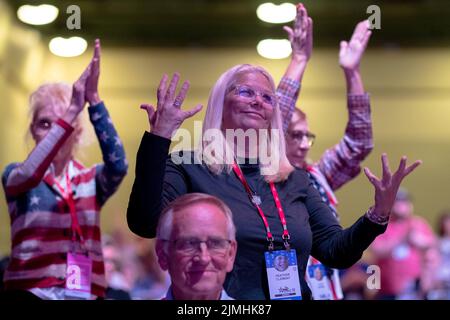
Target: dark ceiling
214,23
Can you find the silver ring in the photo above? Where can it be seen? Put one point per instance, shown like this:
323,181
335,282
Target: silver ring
176,104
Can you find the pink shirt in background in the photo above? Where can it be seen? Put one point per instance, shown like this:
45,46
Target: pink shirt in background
399,260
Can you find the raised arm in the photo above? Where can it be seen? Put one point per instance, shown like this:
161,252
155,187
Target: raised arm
21,177
301,43
350,56
157,180
342,163
340,248
111,172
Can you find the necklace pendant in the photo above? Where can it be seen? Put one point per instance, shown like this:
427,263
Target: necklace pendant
256,200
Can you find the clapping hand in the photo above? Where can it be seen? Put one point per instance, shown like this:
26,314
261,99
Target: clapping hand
92,81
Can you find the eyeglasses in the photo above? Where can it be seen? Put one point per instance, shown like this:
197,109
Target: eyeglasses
300,135
190,246
42,124
251,94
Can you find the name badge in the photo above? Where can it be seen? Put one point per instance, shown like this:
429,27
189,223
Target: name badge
332,278
78,276
282,275
319,281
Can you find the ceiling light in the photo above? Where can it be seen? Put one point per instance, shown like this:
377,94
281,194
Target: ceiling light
274,49
272,13
37,15
71,47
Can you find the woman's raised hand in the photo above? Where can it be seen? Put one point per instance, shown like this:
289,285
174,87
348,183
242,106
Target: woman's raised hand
301,37
169,116
78,100
351,52
85,89
92,95
387,187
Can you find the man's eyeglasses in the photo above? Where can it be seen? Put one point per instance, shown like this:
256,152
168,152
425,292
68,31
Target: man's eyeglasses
190,246
300,135
251,94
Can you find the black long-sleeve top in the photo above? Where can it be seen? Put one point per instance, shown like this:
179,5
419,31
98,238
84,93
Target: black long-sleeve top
312,226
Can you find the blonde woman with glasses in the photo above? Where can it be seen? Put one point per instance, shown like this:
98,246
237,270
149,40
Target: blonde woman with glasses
276,209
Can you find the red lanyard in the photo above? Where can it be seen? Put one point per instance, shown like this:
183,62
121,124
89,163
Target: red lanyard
257,201
68,196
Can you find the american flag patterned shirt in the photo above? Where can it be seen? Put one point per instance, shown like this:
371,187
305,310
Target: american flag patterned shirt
40,217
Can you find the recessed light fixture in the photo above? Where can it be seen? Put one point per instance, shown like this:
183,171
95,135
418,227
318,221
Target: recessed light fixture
37,15
272,13
274,49
70,47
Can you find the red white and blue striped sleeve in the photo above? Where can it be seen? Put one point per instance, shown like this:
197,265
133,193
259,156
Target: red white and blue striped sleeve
24,176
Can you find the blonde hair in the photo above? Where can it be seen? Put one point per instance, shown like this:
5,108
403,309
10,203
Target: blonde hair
56,94
224,153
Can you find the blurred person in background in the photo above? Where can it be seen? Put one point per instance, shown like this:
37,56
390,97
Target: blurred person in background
149,281
444,243
138,263
354,280
118,286
400,251
436,278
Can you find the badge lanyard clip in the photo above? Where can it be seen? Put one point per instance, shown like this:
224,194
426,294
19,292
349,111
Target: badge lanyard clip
271,246
286,243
